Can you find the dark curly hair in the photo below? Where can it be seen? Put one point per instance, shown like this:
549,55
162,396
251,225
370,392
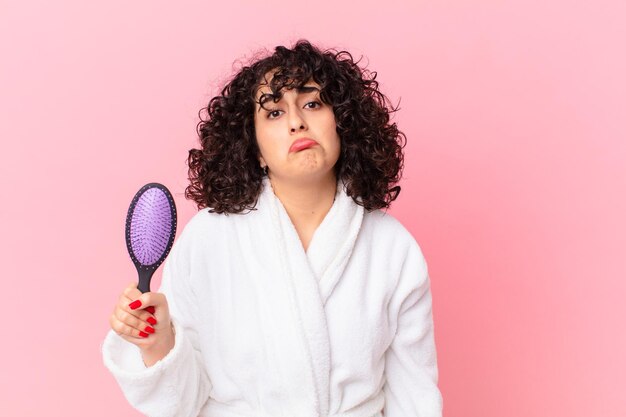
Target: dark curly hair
225,174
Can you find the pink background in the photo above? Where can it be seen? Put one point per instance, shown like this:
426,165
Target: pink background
514,185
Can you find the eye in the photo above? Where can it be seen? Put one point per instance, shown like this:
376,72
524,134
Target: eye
270,112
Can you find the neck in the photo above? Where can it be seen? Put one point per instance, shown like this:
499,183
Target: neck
306,201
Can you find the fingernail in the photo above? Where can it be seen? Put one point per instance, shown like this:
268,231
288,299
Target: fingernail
149,329
152,320
134,304
142,334
150,309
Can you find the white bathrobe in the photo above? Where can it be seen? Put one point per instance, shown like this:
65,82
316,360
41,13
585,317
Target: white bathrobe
265,329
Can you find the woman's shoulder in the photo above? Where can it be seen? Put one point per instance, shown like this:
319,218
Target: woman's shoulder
205,217
390,231
204,224
403,247
385,223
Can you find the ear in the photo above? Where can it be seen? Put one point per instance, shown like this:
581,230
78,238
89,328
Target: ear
262,161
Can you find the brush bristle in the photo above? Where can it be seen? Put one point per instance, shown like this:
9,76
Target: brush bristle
151,226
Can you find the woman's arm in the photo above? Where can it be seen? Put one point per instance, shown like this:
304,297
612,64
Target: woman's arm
411,360
177,384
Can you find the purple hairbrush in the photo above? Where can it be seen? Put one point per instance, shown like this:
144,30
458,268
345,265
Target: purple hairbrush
150,230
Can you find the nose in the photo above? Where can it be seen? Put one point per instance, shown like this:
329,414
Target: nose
293,129
296,121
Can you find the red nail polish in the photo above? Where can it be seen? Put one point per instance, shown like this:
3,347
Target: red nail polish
151,320
135,304
150,309
149,329
142,334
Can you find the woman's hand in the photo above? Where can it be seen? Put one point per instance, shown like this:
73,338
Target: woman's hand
143,319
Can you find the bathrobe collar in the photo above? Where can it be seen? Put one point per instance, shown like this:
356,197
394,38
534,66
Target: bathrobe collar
332,243
313,275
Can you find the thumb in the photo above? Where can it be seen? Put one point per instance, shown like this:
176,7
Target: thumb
132,288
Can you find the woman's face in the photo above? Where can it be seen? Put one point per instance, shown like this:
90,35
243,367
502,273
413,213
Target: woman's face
299,114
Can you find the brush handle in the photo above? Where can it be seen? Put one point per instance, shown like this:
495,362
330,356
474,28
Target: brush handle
145,275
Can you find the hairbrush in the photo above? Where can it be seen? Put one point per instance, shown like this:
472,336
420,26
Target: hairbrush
150,230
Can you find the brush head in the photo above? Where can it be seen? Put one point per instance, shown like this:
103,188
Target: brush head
150,227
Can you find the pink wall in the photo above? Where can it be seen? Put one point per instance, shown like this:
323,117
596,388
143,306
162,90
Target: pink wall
514,187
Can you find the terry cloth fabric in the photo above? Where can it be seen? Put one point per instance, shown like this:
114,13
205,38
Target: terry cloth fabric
267,329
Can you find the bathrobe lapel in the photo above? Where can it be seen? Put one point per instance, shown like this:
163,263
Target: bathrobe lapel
333,241
312,276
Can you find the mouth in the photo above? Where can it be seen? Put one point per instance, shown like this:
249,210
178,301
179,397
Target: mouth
301,144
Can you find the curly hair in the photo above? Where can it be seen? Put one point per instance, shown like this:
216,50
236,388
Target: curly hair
225,174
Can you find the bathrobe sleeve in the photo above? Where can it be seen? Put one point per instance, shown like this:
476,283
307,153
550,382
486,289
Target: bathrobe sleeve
411,360
178,384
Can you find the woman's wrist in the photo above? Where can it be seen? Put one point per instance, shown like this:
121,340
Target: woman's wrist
158,351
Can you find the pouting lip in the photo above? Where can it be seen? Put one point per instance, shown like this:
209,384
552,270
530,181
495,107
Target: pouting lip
302,143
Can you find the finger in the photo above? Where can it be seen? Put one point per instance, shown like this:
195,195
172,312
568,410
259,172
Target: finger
140,314
146,314
134,322
148,302
131,291
122,328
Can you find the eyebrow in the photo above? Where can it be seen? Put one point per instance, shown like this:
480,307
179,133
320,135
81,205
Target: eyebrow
301,90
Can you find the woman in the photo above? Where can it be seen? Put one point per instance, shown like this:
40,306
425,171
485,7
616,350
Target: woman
290,293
